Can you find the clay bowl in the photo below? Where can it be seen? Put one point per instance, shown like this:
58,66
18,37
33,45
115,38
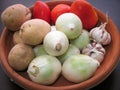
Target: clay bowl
108,65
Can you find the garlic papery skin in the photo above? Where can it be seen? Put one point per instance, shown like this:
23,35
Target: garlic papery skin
95,50
100,35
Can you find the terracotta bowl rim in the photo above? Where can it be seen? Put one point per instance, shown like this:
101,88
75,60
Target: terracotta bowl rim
85,85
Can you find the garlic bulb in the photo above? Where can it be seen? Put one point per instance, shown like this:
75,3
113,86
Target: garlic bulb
100,35
95,50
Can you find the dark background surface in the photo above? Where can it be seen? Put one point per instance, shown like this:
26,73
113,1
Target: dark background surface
110,6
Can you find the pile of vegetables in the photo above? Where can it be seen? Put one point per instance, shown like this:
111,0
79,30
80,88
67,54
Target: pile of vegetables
65,40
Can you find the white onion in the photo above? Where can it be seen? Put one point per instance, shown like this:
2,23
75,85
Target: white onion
44,69
70,24
78,68
56,43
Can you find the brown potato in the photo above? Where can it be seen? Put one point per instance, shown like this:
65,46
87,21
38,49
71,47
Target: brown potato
33,31
20,56
16,38
15,15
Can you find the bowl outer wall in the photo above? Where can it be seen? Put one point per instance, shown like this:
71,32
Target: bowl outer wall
111,59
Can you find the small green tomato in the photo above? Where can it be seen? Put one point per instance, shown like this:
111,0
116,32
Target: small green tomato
72,50
39,50
82,40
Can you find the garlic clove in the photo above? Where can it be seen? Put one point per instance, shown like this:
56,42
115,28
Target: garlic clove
100,35
95,50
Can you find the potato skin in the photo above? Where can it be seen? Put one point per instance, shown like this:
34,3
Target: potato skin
20,56
16,38
33,31
15,15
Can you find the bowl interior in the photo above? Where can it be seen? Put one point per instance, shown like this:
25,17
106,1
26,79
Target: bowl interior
107,66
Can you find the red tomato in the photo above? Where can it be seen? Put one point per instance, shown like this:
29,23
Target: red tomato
86,13
58,10
42,11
